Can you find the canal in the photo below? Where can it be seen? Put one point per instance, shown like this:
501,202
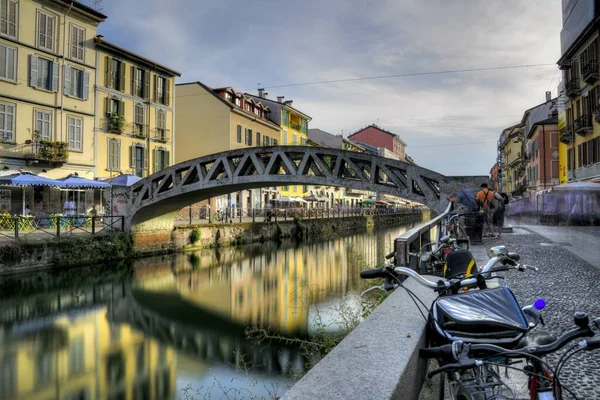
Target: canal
176,327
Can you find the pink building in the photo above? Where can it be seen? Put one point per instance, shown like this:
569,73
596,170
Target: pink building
542,155
375,136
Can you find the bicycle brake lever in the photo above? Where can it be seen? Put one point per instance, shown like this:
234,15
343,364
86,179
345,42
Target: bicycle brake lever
372,289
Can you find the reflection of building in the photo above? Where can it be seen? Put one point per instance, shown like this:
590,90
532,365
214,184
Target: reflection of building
579,120
135,112
82,356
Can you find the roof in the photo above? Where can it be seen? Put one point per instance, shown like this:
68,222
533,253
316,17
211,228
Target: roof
548,121
325,138
99,40
381,130
227,103
280,104
89,11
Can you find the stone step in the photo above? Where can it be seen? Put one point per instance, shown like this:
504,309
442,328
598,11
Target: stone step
507,228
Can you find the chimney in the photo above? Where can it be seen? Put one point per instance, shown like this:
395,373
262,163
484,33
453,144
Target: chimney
288,102
280,99
262,94
548,96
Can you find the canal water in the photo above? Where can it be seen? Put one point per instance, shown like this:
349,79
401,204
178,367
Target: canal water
178,326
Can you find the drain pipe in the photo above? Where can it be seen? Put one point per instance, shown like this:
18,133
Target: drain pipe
62,91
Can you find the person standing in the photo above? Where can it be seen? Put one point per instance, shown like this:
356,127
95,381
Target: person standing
487,201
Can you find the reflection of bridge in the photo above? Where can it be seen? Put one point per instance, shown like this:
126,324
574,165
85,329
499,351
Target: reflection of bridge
153,203
172,320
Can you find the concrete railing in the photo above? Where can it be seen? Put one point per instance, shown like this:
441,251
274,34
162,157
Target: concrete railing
379,359
412,241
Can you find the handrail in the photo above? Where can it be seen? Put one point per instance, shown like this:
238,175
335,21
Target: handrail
412,241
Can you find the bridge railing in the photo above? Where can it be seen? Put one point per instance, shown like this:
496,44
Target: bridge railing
205,214
22,227
408,245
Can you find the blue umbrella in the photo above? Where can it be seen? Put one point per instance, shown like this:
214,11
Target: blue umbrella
124,180
74,181
28,179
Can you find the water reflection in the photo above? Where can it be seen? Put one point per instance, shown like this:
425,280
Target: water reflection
176,320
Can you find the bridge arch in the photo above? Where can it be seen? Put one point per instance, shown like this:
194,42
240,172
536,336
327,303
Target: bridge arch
152,203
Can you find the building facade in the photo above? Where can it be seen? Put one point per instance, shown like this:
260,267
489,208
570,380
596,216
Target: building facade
134,112
378,137
509,158
213,120
579,119
542,155
293,125
47,76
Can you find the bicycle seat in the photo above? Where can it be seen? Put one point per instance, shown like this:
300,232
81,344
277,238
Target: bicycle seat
480,316
459,263
536,338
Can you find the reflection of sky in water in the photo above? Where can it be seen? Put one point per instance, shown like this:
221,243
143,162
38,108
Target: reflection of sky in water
326,315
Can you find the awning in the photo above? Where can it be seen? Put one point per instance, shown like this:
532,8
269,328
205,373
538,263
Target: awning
123,180
74,181
578,187
29,179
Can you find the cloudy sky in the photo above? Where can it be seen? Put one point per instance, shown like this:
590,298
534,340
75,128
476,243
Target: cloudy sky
450,121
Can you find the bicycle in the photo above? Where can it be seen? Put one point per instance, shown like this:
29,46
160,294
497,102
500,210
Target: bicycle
488,319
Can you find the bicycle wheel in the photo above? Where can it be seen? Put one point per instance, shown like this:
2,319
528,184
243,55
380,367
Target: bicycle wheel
460,233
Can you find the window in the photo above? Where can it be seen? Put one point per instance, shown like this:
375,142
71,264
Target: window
266,141
114,106
140,82
77,43
43,124
8,18
75,126
76,354
274,142
256,111
138,128
162,92
284,138
139,160
294,139
285,118
228,97
161,158
43,74
114,158
7,122
161,125
303,141
239,134
258,138
248,107
76,82
8,63
238,102
45,31
304,126
248,137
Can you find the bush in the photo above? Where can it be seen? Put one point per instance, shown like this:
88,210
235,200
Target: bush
195,235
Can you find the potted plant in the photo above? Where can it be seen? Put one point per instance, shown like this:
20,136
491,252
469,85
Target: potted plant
116,123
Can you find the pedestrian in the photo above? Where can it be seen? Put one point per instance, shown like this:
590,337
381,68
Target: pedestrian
487,201
466,198
498,216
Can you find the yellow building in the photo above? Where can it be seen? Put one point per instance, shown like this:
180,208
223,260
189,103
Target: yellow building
294,130
46,100
510,148
134,112
213,120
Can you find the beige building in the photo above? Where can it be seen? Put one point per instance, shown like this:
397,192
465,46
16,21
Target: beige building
47,76
212,120
134,112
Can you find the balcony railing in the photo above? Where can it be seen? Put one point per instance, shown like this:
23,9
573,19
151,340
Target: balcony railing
162,135
115,123
566,134
589,72
48,151
572,87
583,124
295,126
140,131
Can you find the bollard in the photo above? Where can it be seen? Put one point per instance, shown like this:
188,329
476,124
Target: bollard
253,220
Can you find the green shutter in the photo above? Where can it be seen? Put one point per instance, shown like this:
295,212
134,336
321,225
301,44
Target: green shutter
155,160
155,88
106,106
122,80
86,85
167,90
167,159
146,77
132,157
121,108
67,80
145,159
33,71
133,80
108,72
55,72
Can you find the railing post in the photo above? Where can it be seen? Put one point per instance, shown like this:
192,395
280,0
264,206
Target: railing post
17,227
209,214
253,214
122,224
58,222
285,214
93,224
190,212
241,211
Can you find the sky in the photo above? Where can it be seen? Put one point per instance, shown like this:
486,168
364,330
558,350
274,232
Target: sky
451,122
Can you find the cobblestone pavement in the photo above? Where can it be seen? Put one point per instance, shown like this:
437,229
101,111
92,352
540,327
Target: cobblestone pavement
568,284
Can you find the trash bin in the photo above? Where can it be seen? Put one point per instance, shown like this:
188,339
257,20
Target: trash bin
473,223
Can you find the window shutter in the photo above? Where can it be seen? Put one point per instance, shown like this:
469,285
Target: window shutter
67,80
108,72
122,80
33,71
133,81
121,108
86,85
106,106
167,159
155,88
146,84
55,73
132,156
117,156
155,160
167,90
145,158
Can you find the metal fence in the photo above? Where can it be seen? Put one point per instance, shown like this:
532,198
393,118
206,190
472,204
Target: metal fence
20,227
204,214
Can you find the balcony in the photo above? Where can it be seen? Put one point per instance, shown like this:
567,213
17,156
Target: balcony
589,72
48,152
140,131
162,135
295,126
583,124
565,134
116,123
572,87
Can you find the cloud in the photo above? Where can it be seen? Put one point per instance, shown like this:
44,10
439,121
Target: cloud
266,42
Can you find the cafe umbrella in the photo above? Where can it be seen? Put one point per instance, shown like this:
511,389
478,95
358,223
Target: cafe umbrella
73,181
24,179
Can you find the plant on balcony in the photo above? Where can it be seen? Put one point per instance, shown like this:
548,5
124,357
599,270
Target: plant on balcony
52,151
116,123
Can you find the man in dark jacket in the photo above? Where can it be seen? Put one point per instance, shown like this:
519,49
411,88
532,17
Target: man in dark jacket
466,198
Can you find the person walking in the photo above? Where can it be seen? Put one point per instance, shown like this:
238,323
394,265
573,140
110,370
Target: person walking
487,201
498,216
